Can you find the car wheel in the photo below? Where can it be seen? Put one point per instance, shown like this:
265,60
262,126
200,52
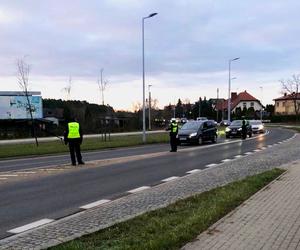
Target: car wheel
227,136
250,134
214,139
200,140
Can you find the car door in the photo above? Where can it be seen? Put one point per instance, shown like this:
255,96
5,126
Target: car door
205,130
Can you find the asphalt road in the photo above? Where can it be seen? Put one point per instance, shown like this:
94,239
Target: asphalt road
59,195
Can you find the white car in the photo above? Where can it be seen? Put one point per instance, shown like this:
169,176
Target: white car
257,126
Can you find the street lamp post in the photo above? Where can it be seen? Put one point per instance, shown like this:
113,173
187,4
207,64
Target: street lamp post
229,86
217,103
149,106
261,108
144,116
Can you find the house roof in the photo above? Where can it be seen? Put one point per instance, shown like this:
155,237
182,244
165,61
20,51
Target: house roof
288,97
241,97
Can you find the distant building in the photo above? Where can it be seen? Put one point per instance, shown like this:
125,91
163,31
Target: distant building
14,105
285,105
241,101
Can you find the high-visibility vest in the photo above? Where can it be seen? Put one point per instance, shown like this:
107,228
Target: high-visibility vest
174,127
73,130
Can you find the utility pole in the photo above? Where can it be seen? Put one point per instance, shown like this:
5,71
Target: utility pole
199,115
261,93
149,106
217,104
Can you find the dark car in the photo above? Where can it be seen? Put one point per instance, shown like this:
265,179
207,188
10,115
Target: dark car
197,132
235,129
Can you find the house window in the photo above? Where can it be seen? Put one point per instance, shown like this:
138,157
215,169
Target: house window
283,104
252,104
277,104
244,105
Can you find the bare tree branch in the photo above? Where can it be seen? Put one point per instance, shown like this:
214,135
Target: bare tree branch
291,87
102,85
23,81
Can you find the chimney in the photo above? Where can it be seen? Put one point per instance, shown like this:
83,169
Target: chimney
233,95
284,94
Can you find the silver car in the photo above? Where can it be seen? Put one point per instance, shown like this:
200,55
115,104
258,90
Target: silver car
257,126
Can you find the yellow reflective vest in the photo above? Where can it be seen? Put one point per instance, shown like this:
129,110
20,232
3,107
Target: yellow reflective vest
73,130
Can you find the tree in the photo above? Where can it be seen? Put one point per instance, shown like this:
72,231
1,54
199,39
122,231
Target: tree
291,86
270,109
23,81
102,85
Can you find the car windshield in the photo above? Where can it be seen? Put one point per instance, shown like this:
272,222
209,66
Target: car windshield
191,125
236,123
255,122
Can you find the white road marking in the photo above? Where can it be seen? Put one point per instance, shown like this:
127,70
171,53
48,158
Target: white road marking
249,153
138,189
25,172
257,150
3,178
8,175
262,148
226,160
193,171
211,165
170,179
30,226
95,204
269,146
238,156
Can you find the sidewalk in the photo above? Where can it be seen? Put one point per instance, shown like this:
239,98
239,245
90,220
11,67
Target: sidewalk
268,220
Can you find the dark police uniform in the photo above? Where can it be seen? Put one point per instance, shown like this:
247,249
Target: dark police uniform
244,129
173,133
73,137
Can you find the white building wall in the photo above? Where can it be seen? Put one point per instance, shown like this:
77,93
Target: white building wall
256,106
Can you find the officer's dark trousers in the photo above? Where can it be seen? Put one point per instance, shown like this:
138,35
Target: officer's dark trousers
173,142
74,146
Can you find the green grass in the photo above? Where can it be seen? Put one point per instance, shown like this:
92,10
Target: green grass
56,147
174,226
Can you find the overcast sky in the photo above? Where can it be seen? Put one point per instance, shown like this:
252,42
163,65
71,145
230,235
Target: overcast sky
187,47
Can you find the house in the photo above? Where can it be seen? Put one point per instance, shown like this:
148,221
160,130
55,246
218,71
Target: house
240,101
285,105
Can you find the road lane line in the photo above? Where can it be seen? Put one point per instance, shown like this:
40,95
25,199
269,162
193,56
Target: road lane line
193,171
262,148
30,226
25,172
138,189
211,165
226,160
8,175
269,146
170,179
257,150
3,178
95,204
249,153
238,156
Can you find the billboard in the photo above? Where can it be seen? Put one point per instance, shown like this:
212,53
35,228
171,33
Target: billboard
16,107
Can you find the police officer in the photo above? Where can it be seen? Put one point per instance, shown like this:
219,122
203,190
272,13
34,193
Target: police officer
244,129
73,137
173,133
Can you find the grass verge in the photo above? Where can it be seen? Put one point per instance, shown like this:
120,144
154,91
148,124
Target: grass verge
55,147
174,226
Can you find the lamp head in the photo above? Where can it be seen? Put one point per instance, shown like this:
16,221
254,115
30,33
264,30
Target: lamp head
152,14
